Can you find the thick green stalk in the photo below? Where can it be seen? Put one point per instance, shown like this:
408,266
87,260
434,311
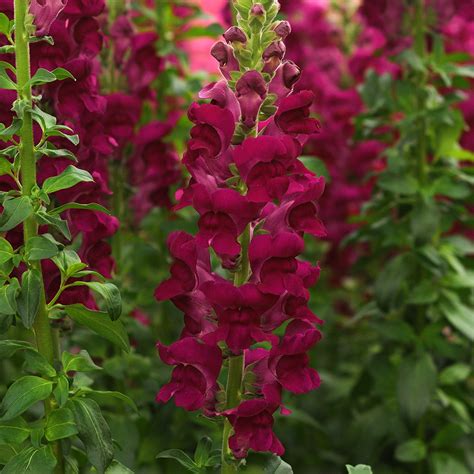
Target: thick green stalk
236,363
41,326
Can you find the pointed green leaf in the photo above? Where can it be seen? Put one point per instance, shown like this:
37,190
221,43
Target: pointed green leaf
29,299
413,450
8,347
67,179
76,205
458,314
81,362
359,469
14,431
41,247
416,385
22,394
179,456
32,461
111,295
61,391
100,323
60,424
55,222
94,432
36,363
6,251
15,211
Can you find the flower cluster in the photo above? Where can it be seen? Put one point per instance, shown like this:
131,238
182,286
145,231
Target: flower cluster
255,200
133,68
317,43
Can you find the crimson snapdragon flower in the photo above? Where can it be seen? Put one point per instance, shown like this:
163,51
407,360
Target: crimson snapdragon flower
255,200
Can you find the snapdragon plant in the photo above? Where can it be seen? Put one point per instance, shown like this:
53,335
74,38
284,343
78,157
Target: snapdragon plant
70,431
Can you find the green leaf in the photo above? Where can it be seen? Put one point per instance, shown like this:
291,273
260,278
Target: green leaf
104,397
32,461
444,463
118,468
454,374
14,431
8,296
4,24
111,295
61,391
7,133
93,432
81,362
276,465
398,184
67,179
6,251
5,166
359,469
68,262
8,347
35,362
61,74
416,385
53,221
459,315
29,299
76,205
424,220
423,293
15,211
413,450
41,247
5,80
203,449
22,394
100,323
179,456
60,424
317,166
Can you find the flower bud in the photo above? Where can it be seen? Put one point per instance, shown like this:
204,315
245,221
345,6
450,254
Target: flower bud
235,34
286,76
251,91
273,55
283,29
257,10
224,54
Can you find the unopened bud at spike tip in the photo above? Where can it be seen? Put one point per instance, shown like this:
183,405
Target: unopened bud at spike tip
283,29
235,34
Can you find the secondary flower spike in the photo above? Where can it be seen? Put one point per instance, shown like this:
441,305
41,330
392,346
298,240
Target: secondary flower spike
240,278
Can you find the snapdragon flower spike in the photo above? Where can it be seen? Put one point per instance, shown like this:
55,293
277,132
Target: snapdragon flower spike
256,201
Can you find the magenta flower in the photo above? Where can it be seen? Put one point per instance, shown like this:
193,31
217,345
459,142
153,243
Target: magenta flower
194,377
239,310
292,116
224,55
252,422
251,91
265,164
45,12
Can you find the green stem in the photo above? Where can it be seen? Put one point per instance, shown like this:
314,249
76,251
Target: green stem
236,362
41,326
118,200
420,49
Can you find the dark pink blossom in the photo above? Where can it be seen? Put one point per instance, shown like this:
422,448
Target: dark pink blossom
44,13
195,374
251,91
252,422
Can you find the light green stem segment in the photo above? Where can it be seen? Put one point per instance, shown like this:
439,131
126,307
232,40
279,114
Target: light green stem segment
236,363
41,326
